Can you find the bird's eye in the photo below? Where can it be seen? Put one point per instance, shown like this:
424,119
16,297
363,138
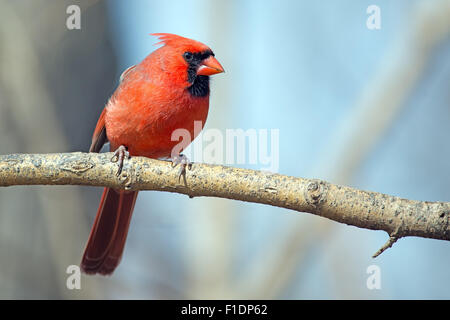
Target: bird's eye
188,56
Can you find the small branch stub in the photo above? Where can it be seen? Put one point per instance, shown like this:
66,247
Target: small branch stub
386,246
316,192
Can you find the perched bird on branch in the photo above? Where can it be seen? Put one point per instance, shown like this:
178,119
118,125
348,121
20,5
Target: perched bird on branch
168,90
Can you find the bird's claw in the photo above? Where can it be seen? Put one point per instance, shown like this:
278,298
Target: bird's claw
120,154
184,163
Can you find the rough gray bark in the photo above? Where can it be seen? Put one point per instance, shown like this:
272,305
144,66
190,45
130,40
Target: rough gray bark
363,209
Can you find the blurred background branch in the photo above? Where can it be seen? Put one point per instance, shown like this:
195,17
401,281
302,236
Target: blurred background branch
32,101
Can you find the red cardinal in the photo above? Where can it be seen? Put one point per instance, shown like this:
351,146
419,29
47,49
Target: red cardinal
168,90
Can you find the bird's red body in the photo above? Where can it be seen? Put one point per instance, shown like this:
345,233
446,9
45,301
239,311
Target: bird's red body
168,90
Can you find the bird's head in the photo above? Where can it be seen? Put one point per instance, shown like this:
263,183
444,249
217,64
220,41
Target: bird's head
190,61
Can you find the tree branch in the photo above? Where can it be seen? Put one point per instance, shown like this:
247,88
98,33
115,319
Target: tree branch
363,209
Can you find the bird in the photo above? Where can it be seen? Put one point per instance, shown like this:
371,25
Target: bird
168,90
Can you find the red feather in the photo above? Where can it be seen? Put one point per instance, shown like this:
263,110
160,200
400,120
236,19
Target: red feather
106,242
151,102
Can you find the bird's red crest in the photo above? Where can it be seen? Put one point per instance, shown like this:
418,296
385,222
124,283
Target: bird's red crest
174,40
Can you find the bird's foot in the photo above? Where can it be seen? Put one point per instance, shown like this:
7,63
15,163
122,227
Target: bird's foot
120,154
184,163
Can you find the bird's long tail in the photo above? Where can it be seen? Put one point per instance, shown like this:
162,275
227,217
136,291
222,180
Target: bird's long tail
108,235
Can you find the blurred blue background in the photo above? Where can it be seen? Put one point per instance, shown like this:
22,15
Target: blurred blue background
365,108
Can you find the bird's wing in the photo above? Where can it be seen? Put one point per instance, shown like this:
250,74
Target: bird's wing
99,137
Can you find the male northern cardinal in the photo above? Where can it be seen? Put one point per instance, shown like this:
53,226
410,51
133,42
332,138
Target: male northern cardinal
168,90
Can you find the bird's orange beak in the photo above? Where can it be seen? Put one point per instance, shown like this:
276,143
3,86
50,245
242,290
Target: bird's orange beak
209,67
